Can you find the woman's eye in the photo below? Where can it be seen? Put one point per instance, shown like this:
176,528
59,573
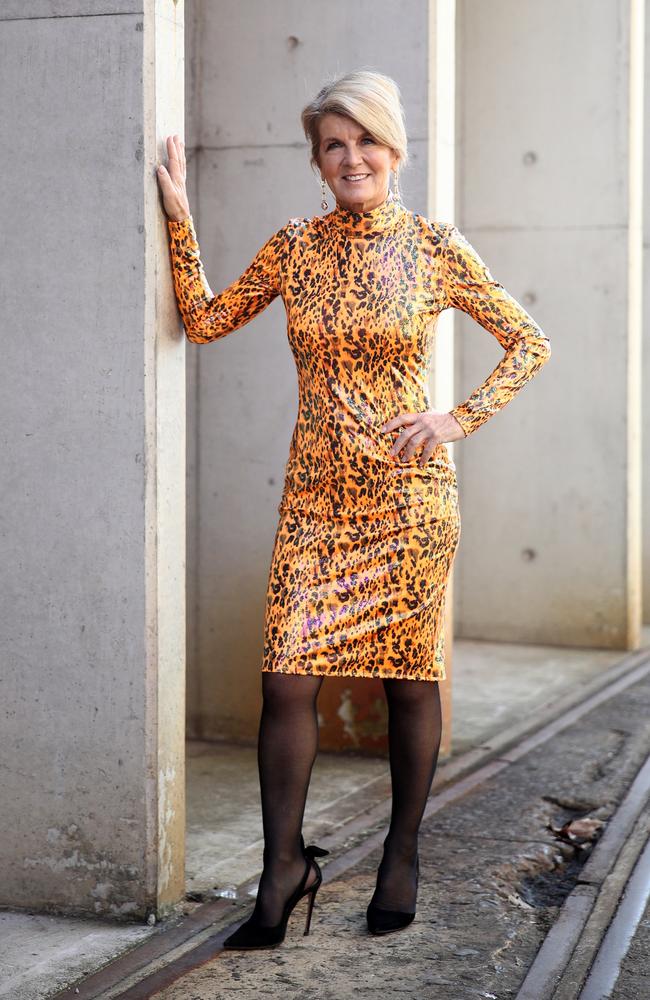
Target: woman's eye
335,142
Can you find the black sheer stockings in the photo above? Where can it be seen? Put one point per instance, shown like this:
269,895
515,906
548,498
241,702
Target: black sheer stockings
287,747
414,731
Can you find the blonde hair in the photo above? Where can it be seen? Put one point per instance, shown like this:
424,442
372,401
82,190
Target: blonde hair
371,99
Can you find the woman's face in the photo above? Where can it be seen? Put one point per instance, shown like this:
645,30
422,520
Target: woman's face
355,166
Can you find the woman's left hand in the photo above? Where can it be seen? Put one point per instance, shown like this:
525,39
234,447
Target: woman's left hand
427,429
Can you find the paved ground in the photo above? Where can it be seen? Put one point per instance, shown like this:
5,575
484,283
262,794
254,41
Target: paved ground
495,685
493,877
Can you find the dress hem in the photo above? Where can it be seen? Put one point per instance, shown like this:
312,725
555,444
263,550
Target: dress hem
381,675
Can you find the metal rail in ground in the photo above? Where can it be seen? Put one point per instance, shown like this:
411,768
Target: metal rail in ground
581,956
606,967
177,950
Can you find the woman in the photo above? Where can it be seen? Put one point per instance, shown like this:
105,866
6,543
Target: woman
369,519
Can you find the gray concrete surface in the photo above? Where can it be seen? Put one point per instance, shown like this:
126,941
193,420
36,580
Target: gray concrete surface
224,835
577,954
224,823
495,686
93,425
72,553
550,129
95,598
41,952
493,881
645,371
498,683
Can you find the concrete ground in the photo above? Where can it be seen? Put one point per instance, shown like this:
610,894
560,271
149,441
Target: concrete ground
494,876
495,686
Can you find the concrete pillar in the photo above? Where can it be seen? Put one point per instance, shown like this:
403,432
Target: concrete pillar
550,144
441,205
93,420
257,72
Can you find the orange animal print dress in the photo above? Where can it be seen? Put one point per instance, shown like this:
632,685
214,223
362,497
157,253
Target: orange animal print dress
365,542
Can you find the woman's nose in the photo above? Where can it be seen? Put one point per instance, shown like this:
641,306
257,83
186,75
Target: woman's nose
352,158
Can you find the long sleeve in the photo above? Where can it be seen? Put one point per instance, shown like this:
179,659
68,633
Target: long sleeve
207,316
469,286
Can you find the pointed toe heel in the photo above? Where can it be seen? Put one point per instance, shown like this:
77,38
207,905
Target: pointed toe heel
382,921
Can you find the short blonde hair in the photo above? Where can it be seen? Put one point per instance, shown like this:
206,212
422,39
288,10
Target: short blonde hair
371,99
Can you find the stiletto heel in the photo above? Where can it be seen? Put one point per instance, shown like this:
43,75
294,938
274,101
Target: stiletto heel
312,900
252,934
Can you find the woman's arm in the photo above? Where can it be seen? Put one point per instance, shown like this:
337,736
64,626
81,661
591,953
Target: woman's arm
207,316
469,286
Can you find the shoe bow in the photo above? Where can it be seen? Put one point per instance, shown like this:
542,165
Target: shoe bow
312,851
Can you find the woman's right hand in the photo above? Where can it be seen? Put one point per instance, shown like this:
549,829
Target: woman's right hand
172,181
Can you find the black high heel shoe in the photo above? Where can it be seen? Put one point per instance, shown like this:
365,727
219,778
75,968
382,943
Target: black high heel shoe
382,921
252,934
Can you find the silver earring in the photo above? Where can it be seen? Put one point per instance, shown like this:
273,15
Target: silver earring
323,203
396,190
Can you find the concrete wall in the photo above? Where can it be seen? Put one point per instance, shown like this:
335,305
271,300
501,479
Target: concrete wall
645,396
92,416
550,486
255,75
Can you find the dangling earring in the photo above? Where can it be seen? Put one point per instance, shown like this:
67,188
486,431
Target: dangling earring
396,191
323,203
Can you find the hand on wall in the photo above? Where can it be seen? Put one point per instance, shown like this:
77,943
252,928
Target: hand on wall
172,181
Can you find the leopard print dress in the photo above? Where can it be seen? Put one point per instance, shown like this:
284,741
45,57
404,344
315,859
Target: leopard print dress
365,542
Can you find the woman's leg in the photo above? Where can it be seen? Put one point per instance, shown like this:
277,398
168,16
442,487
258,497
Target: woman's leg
287,747
414,731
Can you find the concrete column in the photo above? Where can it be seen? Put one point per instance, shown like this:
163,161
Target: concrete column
441,203
92,539
550,139
257,72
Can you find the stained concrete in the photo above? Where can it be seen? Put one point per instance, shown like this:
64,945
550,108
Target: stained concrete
493,880
495,684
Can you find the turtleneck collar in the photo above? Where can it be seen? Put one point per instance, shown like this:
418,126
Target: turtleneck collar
386,215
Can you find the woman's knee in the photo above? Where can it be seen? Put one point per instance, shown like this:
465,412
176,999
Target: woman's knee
289,691
409,692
